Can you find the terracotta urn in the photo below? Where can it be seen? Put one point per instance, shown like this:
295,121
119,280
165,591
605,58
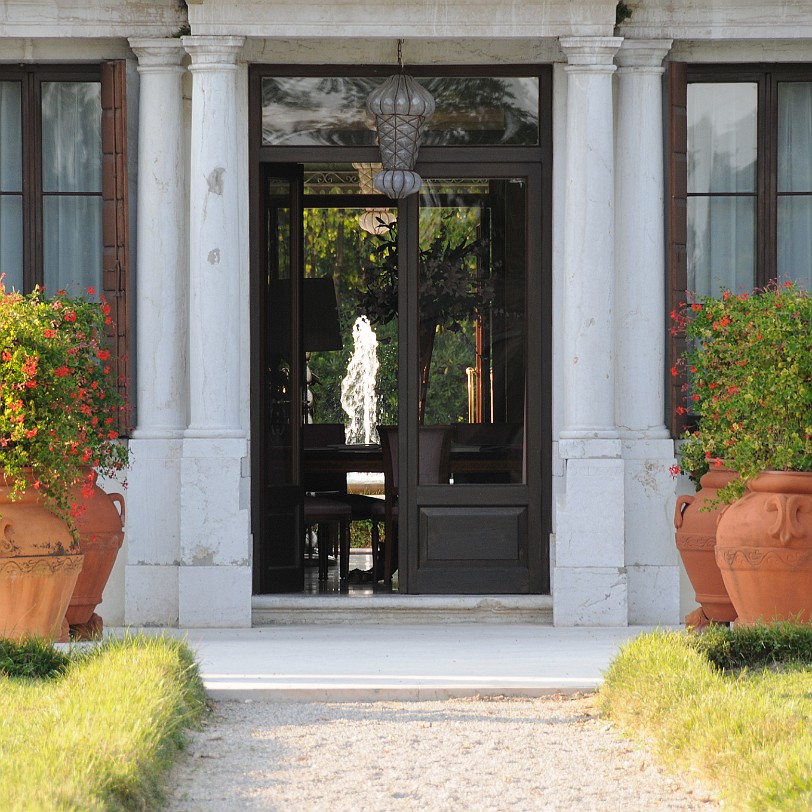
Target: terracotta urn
764,548
100,526
39,565
696,542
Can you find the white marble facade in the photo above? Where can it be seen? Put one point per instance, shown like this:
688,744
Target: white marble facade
188,554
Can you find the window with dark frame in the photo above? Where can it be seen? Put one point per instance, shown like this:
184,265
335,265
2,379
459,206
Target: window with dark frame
739,156
63,186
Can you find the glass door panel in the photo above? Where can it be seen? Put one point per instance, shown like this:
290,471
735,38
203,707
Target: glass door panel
278,397
471,335
470,244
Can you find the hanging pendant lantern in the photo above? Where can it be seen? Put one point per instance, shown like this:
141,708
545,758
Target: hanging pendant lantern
377,220
401,107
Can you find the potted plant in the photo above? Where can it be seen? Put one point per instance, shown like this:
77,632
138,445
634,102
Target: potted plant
59,416
751,368
453,288
696,516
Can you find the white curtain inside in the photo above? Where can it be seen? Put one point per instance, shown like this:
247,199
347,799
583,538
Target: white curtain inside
794,233
71,182
722,151
11,162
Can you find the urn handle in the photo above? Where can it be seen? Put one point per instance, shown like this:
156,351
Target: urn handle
679,510
118,499
787,527
7,546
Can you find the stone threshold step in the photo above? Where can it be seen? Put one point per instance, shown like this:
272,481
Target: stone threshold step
418,609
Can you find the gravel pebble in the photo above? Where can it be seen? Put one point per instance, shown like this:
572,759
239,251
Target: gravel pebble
555,753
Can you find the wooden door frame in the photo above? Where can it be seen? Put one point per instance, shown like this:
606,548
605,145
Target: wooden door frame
536,489
538,431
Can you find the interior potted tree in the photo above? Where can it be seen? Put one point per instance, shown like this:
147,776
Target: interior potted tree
59,416
755,353
455,284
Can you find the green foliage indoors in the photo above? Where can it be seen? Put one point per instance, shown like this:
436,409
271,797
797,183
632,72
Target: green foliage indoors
336,246
102,734
59,404
749,367
365,274
454,286
746,733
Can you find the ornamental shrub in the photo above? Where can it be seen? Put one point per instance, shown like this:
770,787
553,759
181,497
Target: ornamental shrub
749,371
60,408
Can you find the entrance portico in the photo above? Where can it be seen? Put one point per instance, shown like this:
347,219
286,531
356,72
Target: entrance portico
611,554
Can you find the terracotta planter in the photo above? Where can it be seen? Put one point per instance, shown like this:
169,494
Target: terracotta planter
101,533
696,542
39,565
764,548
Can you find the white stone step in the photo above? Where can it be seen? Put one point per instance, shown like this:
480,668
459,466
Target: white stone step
380,609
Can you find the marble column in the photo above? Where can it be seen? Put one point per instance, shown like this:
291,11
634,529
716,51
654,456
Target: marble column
215,555
589,578
153,503
214,240
640,328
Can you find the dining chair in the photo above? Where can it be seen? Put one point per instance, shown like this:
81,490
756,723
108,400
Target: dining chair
433,459
333,486
328,513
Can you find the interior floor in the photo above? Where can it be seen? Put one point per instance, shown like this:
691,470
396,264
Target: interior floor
354,586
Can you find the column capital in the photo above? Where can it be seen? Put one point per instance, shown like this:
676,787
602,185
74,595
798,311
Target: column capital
590,54
158,54
643,55
213,53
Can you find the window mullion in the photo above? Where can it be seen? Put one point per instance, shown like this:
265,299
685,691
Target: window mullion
766,234
29,190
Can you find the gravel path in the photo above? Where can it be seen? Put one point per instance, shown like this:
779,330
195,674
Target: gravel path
478,754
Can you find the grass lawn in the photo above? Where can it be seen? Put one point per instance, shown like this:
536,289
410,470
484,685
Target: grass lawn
97,731
732,707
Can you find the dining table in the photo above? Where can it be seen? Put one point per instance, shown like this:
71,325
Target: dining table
344,458
368,458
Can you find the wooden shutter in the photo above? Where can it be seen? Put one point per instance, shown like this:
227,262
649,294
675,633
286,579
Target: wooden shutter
676,231
115,257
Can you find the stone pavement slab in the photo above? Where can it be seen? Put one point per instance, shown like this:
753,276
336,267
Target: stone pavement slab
402,661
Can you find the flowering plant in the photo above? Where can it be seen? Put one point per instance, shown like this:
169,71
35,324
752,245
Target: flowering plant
59,405
749,366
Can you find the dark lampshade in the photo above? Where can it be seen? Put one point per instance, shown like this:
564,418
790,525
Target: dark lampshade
321,328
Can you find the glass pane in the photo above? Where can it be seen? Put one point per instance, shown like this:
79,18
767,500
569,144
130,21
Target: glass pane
721,244
722,137
795,137
71,137
11,241
11,143
72,243
472,341
279,448
795,240
306,110
352,344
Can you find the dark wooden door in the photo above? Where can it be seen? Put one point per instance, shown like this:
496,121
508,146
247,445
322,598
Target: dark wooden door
278,384
471,255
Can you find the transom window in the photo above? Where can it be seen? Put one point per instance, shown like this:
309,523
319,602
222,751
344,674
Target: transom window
331,111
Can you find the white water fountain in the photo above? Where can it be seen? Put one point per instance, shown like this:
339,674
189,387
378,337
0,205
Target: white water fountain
358,396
